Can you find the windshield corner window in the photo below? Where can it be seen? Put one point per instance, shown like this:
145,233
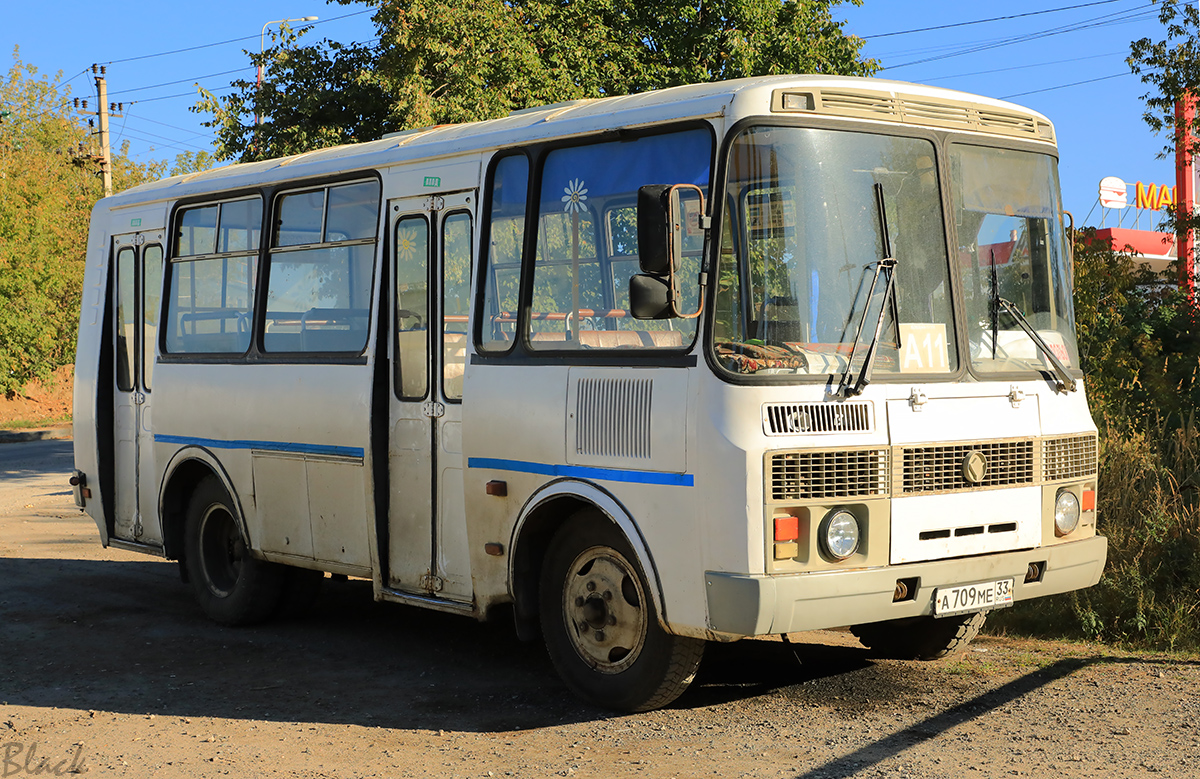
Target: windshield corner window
1013,259
802,284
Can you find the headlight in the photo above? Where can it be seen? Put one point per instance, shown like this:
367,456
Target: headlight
839,534
1066,513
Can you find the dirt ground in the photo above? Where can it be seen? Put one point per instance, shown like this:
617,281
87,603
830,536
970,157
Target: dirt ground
40,402
107,667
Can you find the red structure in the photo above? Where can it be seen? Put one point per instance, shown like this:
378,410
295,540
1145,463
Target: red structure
1157,250
1185,190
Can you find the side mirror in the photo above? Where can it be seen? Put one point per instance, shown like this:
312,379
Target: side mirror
650,297
669,218
654,229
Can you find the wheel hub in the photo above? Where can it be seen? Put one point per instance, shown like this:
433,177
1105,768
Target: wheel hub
605,610
221,550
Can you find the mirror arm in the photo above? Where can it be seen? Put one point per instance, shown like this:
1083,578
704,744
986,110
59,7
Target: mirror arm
677,230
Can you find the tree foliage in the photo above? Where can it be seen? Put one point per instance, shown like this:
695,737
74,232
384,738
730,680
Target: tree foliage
46,198
1171,68
448,61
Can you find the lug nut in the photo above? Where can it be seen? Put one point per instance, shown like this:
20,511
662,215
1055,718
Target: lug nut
579,601
591,586
599,635
612,619
608,595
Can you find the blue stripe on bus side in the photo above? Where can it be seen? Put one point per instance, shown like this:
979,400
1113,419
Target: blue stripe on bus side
274,446
582,472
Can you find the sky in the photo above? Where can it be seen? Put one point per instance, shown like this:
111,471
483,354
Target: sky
1068,64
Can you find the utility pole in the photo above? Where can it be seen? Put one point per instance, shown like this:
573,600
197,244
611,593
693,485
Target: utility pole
103,112
102,109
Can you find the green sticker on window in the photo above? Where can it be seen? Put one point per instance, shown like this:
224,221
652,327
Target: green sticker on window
433,181
135,222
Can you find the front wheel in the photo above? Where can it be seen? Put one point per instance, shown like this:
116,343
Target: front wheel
233,587
600,625
920,638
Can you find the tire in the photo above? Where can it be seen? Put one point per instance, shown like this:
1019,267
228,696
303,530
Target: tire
600,625
920,638
232,587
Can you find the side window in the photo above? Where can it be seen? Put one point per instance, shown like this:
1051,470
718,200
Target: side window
586,247
320,269
126,309
213,267
456,288
152,270
412,307
506,244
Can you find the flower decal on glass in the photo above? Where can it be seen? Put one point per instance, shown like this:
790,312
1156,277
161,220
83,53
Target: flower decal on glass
406,244
575,195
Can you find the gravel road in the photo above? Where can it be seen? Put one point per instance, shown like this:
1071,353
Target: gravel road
107,667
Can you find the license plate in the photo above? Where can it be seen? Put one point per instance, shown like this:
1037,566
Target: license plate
972,597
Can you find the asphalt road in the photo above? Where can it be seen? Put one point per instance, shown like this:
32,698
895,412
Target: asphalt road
34,471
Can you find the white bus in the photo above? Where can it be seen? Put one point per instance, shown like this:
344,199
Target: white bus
711,362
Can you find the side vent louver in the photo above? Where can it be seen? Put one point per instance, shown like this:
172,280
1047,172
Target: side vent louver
795,418
613,417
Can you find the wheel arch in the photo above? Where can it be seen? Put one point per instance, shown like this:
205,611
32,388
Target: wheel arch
548,509
186,469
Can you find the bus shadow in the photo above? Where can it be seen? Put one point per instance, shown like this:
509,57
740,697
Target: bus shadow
128,637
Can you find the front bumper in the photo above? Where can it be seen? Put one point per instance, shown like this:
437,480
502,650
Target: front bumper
759,604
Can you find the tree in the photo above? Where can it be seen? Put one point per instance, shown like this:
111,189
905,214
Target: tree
46,198
448,61
192,163
1172,68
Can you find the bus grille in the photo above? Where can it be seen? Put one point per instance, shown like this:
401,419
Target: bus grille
613,417
823,475
1072,457
940,468
791,418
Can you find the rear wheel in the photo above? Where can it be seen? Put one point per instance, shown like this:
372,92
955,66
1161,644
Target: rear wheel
920,638
233,588
600,625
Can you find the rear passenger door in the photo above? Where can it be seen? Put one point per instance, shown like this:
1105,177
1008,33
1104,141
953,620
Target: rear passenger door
432,245
137,291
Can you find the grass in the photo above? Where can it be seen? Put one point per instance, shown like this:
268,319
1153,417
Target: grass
1149,508
28,424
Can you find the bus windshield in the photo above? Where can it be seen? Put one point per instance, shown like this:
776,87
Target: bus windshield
1011,247
802,242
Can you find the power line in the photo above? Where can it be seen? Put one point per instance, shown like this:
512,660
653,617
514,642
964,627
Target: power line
164,124
161,137
1100,21
993,19
182,94
1064,86
182,81
1025,67
231,40
173,145
1121,17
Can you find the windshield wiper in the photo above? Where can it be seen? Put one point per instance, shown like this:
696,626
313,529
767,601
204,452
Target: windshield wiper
1063,380
847,387
995,305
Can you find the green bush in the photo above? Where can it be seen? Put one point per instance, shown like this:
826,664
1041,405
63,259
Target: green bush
1140,357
